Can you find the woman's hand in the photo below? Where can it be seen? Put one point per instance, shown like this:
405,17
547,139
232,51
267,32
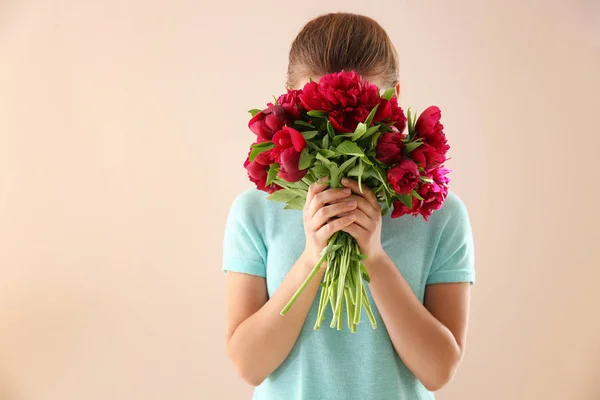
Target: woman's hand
366,229
320,212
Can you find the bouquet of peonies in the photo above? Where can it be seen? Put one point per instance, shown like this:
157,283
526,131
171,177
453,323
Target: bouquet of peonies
343,127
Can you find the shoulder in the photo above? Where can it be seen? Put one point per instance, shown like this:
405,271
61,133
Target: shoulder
453,212
249,198
252,206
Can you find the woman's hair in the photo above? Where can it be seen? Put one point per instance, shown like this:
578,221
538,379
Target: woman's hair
343,41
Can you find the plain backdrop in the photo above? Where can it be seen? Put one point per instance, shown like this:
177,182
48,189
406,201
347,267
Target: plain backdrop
122,136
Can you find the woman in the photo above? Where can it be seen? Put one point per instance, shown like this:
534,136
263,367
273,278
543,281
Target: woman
421,272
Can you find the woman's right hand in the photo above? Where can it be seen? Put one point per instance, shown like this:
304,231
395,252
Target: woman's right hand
319,217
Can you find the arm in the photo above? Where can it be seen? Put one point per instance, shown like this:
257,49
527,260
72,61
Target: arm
428,338
258,338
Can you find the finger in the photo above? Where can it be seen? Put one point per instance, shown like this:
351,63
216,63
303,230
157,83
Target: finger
362,220
367,193
314,188
325,197
363,204
327,230
325,213
356,231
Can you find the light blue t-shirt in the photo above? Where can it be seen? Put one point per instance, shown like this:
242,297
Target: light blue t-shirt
263,239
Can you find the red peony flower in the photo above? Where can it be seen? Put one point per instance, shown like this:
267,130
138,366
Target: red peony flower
404,177
429,128
434,194
427,156
390,148
289,143
344,96
257,171
389,111
274,117
400,209
291,102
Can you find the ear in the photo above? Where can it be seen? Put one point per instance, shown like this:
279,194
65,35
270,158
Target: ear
397,89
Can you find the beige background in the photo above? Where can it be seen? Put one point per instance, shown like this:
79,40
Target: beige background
122,133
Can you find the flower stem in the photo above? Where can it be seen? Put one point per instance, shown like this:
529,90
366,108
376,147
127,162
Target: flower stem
303,286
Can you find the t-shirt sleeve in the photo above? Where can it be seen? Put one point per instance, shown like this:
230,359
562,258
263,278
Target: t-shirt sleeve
454,256
243,247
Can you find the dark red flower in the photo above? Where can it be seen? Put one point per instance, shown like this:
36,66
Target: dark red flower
434,194
291,102
257,172
390,148
390,112
346,98
400,209
289,143
404,177
429,128
427,156
274,117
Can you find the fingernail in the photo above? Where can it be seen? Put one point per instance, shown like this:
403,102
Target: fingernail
345,180
347,190
352,203
323,179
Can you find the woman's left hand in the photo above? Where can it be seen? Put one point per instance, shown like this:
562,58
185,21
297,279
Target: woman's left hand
366,229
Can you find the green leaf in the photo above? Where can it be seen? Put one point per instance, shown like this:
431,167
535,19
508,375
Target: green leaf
254,111
337,139
312,145
410,146
303,123
365,273
347,164
305,159
330,249
367,161
327,153
370,131
282,196
389,93
317,113
334,175
325,142
330,129
417,195
309,134
406,199
375,138
350,148
385,210
262,144
320,170
323,159
360,130
275,100
272,174
260,149
369,119
295,204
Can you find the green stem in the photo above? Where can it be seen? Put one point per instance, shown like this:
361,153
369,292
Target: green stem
368,309
303,286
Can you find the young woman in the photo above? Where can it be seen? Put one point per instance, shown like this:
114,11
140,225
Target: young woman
421,272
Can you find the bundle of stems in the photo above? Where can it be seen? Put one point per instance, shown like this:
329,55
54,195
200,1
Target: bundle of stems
343,284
